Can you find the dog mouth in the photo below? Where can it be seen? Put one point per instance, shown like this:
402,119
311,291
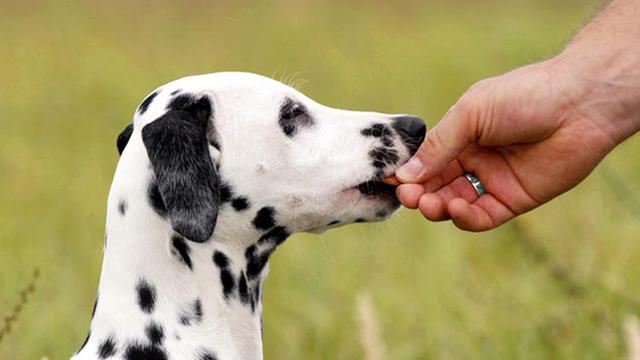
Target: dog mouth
377,188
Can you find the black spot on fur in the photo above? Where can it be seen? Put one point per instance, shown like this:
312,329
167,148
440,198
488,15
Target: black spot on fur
382,156
186,178
243,288
264,219
248,291
144,352
381,213
247,284
193,312
107,348
256,292
254,261
255,289
197,310
292,116
155,333
276,236
214,144
146,102
224,192
122,207
155,199
175,91
377,130
220,259
123,138
182,250
146,296
182,101
258,254
334,222
360,220
207,355
240,203
226,277
228,282
381,131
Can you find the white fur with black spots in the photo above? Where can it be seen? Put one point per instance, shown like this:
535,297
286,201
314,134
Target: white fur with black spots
216,171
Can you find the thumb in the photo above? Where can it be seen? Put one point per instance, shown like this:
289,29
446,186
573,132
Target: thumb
441,145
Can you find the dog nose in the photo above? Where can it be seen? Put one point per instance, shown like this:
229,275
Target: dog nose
411,130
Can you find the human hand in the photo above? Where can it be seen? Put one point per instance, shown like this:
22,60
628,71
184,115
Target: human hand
528,135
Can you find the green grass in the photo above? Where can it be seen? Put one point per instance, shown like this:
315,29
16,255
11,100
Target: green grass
71,74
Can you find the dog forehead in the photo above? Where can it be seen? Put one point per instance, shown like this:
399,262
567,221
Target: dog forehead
232,94
241,84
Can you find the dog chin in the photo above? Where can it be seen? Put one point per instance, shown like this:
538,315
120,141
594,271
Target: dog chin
318,231
382,214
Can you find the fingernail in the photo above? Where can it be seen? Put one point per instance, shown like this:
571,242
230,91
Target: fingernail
411,170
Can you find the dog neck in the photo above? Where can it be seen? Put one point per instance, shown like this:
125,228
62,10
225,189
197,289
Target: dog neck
165,296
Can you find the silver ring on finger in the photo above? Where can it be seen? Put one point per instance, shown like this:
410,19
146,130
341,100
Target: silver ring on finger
475,182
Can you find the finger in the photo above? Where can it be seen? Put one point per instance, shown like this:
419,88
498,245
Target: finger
484,214
433,207
458,188
442,144
451,171
497,177
409,194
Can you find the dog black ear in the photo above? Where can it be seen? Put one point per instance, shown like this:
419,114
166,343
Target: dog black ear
123,138
186,178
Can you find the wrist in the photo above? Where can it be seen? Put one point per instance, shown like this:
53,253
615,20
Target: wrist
601,84
600,69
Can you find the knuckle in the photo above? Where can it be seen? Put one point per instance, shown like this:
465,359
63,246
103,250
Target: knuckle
468,105
433,141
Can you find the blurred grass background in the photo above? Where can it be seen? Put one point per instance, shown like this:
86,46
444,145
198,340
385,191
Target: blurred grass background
555,284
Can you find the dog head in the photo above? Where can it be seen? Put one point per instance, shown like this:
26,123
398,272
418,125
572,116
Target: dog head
254,153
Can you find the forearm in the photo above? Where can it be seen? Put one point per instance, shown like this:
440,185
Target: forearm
602,66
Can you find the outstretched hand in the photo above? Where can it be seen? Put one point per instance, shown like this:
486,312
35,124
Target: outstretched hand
528,135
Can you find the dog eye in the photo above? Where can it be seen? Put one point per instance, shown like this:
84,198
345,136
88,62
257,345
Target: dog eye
291,110
292,116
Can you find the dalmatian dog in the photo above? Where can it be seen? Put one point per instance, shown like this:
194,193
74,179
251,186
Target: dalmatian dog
215,172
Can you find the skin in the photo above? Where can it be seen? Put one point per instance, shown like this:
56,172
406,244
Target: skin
533,133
